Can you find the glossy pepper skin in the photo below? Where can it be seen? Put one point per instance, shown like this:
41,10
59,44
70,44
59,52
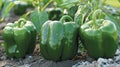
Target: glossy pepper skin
99,37
58,40
19,38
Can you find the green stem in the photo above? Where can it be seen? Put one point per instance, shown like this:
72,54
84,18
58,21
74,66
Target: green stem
28,13
96,14
21,22
39,5
1,19
66,17
46,5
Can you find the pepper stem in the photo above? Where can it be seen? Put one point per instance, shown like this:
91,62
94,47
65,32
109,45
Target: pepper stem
21,22
96,13
63,18
46,5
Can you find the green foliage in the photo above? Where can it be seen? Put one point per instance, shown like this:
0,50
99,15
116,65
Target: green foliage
72,11
8,5
86,7
45,1
0,4
59,1
115,3
66,3
38,18
118,0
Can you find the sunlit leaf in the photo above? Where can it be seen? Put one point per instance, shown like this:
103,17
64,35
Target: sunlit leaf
114,3
6,9
0,4
66,3
38,18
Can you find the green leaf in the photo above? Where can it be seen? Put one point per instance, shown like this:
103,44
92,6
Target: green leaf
0,4
38,18
25,16
66,3
83,13
118,0
6,8
45,1
114,3
59,2
72,11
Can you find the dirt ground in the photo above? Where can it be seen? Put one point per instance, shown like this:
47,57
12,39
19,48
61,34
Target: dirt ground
31,61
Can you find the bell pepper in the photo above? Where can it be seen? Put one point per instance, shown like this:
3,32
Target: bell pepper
99,37
20,7
55,13
19,38
58,40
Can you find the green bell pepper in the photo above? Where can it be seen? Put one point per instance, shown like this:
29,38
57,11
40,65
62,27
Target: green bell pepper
20,7
58,40
99,37
55,13
19,38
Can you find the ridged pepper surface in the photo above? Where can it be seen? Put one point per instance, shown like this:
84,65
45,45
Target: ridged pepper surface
19,38
99,37
58,39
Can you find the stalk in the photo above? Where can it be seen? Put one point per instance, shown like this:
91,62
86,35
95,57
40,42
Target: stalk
46,5
96,14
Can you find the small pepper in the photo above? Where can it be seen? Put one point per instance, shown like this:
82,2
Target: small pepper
19,38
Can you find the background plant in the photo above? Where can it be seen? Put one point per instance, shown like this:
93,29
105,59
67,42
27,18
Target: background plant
67,7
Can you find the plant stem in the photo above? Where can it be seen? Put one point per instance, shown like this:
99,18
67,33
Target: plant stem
1,19
46,5
39,5
66,17
97,13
